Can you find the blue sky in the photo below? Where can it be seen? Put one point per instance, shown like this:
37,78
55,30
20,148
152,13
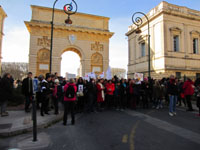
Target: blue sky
120,13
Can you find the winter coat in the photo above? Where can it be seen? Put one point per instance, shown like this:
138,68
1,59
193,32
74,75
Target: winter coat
90,90
172,88
5,89
156,91
27,87
136,89
55,91
65,89
188,88
117,90
100,93
123,89
145,89
110,88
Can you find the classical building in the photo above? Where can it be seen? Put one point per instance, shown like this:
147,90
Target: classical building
2,17
88,36
174,38
119,72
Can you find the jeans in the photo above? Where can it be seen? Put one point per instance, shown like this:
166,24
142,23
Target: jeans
3,107
172,103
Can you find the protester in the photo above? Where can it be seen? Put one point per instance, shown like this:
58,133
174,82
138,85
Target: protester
181,96
110,88
172,90
123,94
70,90
91,96
156,94
6,87
56,96
197,93
100,94
131,94
117,95
27,90
80,95
145,93
46,92
188,88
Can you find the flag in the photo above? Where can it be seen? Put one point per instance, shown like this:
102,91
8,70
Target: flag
108,74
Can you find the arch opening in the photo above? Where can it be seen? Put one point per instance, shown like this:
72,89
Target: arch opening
71,64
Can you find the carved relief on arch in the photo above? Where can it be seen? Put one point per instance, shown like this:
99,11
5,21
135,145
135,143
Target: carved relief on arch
96,59
43,55
43,59
97,63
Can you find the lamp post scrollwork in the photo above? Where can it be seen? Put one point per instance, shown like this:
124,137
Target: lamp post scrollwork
138,21
68,9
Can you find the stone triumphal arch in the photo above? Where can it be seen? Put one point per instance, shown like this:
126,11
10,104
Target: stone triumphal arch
88,36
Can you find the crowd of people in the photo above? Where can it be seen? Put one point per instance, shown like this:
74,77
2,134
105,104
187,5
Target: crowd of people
96,95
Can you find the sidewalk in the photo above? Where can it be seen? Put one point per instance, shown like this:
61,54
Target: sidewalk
19,122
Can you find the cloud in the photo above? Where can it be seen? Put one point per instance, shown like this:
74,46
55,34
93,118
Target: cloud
15,46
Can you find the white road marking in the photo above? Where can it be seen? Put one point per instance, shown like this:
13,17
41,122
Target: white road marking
184,133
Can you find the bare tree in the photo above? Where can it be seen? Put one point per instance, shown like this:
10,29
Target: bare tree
17,70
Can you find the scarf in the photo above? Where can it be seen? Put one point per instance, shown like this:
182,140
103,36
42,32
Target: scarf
102,92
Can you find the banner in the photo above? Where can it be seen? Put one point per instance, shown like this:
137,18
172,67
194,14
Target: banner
108,74
90,75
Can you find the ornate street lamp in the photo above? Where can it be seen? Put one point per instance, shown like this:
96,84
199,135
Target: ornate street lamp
68,9
138,22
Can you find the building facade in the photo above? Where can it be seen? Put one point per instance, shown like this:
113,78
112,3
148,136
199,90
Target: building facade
174,43
88,36
119,72
2,17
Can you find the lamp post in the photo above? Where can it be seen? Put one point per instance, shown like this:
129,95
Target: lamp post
138,22
68,10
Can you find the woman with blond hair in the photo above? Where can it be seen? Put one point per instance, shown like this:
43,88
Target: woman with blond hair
70,90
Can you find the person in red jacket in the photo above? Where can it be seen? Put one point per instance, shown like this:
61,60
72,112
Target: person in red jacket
110,88
70,90
188,88
100,94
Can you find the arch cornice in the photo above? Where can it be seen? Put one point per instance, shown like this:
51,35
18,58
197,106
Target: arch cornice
33,24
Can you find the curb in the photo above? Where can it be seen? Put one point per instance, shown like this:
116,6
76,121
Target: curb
29,128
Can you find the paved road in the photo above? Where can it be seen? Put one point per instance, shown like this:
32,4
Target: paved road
129,130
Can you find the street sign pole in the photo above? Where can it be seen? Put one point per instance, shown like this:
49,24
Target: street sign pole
35,89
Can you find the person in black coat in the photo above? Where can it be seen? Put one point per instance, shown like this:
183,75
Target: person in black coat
80,94
91,95
5,93
27,90
46,92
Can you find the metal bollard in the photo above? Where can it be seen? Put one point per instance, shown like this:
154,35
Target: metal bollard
34,119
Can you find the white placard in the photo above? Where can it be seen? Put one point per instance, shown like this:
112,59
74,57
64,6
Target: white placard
44,67
96,69
139,76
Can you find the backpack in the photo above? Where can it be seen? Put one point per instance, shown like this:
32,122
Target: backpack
70,92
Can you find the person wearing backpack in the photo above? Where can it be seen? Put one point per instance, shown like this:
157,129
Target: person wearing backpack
70,90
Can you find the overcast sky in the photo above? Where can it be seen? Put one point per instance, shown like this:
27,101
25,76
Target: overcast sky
16,40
